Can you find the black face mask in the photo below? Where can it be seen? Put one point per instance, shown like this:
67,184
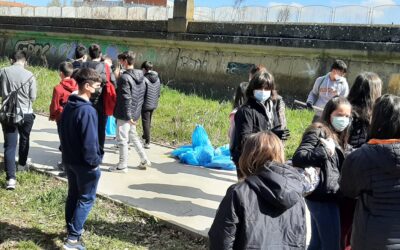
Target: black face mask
94,96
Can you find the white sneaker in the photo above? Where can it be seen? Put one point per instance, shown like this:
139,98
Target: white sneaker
23,168
116,168
10,184
144,165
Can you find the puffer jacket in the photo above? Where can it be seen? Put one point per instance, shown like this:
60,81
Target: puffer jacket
358,131
372,174
252,118
153,88
312,153
130,95
265,211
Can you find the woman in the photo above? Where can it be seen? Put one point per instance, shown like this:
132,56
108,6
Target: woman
323,146
263,111
266,209
366,89
372,175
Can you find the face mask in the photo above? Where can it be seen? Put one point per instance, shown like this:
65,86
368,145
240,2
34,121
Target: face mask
96,93
262,95
340,123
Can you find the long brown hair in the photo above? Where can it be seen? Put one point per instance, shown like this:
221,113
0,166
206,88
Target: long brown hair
259,149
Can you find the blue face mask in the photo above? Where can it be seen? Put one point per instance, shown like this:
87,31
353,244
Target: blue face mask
262,95
340,123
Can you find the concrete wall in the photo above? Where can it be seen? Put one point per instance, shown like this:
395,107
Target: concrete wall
211,59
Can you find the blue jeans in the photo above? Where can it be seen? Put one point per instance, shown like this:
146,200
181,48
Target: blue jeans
82,186
10,133
325,225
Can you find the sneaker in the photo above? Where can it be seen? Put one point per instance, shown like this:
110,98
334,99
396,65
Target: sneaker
146,145
10,184
74,245
60,166
144,165
116,168
23,167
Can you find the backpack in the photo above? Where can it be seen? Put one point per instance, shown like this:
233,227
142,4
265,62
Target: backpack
110,96
10,111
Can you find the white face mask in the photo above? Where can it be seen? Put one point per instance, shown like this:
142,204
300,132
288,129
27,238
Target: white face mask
262,95
340,123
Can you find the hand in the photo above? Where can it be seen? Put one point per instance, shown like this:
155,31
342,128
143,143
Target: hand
283,134
310,105
131,121
329,145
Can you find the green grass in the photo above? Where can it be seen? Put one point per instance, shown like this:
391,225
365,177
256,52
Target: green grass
32,217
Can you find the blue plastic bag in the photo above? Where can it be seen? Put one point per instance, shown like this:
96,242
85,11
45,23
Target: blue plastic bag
223,150
181,150
200,137
221,162
190,158
204,155
111,127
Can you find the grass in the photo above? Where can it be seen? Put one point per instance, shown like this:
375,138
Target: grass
32,217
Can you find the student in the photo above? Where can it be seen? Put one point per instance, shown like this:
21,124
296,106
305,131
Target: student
371,174
263,111
266,209
323,146
130,95
326,87
12,78
80,56
80,155
153,88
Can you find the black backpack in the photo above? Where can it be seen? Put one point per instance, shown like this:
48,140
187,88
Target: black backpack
10,111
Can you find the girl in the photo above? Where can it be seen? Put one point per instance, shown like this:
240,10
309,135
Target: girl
266,209
323,146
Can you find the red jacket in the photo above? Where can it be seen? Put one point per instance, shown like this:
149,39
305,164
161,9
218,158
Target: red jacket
61,94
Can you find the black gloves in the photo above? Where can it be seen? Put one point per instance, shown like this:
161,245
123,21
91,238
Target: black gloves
282,134
309,105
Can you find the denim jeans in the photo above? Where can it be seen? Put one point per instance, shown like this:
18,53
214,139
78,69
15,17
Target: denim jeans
127,132
82,186
10,144
146,123
325,225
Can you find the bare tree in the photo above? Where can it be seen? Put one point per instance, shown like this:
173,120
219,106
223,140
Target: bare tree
283,15
55,3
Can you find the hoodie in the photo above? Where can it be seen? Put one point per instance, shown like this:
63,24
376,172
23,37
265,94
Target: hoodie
153,88
78,133
61,94
130,91
265,211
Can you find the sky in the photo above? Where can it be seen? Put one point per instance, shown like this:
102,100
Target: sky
218,3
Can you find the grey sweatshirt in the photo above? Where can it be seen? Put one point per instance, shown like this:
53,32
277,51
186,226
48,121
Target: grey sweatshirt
18,75
325,89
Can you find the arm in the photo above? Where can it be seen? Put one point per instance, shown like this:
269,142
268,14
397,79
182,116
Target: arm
314,93
55,107
280,110
89,135
223,230
352,179
311,152
124,90
345,90
32,89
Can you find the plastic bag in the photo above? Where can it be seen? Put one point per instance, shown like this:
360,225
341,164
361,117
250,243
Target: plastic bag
190,158
223,150
204,155
181,150
111,127
221,162
200,137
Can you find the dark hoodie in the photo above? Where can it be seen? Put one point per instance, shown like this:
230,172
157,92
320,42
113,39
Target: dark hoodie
153,87
130,95
61,94
78,133
266,211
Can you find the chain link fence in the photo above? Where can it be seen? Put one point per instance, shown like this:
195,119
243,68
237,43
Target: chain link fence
349,14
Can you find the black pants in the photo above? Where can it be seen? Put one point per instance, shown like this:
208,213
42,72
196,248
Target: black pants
102,122
10,133
146,123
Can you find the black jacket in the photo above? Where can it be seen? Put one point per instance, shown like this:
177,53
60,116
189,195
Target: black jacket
130,95
265,211
311,153
153,88
252,118
372,174
358,131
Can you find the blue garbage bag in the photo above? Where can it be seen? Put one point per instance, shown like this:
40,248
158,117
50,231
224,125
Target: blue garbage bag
200,137
204,154
181,150
223,150
190,158
221,162
111,127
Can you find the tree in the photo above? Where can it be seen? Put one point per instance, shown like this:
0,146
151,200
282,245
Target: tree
284,15
55,3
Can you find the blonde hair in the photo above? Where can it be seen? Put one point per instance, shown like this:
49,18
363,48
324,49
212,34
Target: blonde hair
259,149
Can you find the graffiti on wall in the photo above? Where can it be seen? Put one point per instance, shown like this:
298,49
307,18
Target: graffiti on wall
34,50
235,68
192,63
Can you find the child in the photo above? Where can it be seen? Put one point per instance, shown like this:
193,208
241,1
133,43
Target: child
61,94
266,209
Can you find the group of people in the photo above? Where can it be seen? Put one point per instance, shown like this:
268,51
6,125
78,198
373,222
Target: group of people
90,90
354,147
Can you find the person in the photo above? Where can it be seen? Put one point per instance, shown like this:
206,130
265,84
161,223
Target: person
152,94
366,89
326,87
371,176
12,78
323,146
61,93
80,56
263,111
266,209
98,98
130,96
81,155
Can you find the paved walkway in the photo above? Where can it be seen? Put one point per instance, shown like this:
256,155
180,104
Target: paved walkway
183,195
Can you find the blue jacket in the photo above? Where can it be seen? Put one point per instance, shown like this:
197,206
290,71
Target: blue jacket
78,133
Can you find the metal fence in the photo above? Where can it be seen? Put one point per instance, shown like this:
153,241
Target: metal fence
351,14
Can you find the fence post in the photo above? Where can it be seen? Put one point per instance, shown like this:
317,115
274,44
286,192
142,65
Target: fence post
183,13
